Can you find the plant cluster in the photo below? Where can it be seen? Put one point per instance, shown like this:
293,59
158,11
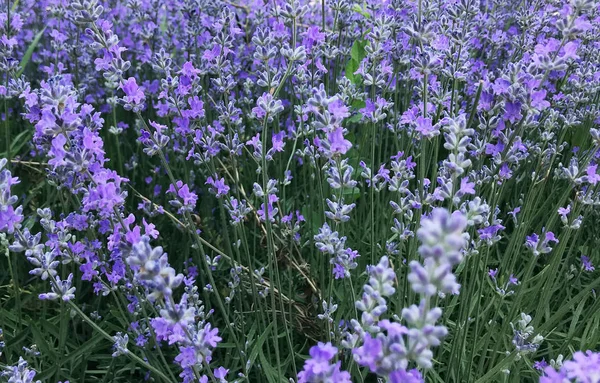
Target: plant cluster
325,191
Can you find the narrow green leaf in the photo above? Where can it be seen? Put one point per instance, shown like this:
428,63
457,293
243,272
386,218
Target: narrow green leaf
270,371
29,51
575,319
41,342
257,347
18,142
88,347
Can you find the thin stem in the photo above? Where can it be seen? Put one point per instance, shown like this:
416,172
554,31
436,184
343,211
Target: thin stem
111,339
270,250
6,122
12,267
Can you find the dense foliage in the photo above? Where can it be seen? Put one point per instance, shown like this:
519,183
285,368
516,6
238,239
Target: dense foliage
306,191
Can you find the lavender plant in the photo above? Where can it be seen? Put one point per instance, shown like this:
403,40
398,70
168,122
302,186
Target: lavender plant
305,191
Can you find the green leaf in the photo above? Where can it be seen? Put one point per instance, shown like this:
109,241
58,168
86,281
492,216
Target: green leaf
357,54
351,67
356,118
575,319
269,371
164,24
41,342
29,52
579,136
257,347
89,347
18,142
358,9
351,193
313,217
357,104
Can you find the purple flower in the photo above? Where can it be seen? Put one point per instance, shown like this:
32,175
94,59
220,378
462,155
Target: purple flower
337,142
553,376
494,150
319,369
10,217
62,289
278,142
500,86
218,186
221,373
587,263
187,357
532,240
505,172
338,110
134,94
467,187
540,246
592,176
312,37
267,106
583,368
564,211
271,209
425,128
550,237
538,100
21,373
512,112
183,192
489,232
442,235
402,376
369,353
540,365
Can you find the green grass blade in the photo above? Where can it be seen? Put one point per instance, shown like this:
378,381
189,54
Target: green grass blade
29,51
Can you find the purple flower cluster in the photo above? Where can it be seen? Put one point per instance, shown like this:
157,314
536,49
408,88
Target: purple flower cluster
21,373
175,162
583,368
388,347
10,218
319,369
443,238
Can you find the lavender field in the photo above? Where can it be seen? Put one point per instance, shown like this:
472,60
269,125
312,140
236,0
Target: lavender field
299,191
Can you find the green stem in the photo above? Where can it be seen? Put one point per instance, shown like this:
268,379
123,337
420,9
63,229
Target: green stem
12,267
6,123
106,336
270,250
